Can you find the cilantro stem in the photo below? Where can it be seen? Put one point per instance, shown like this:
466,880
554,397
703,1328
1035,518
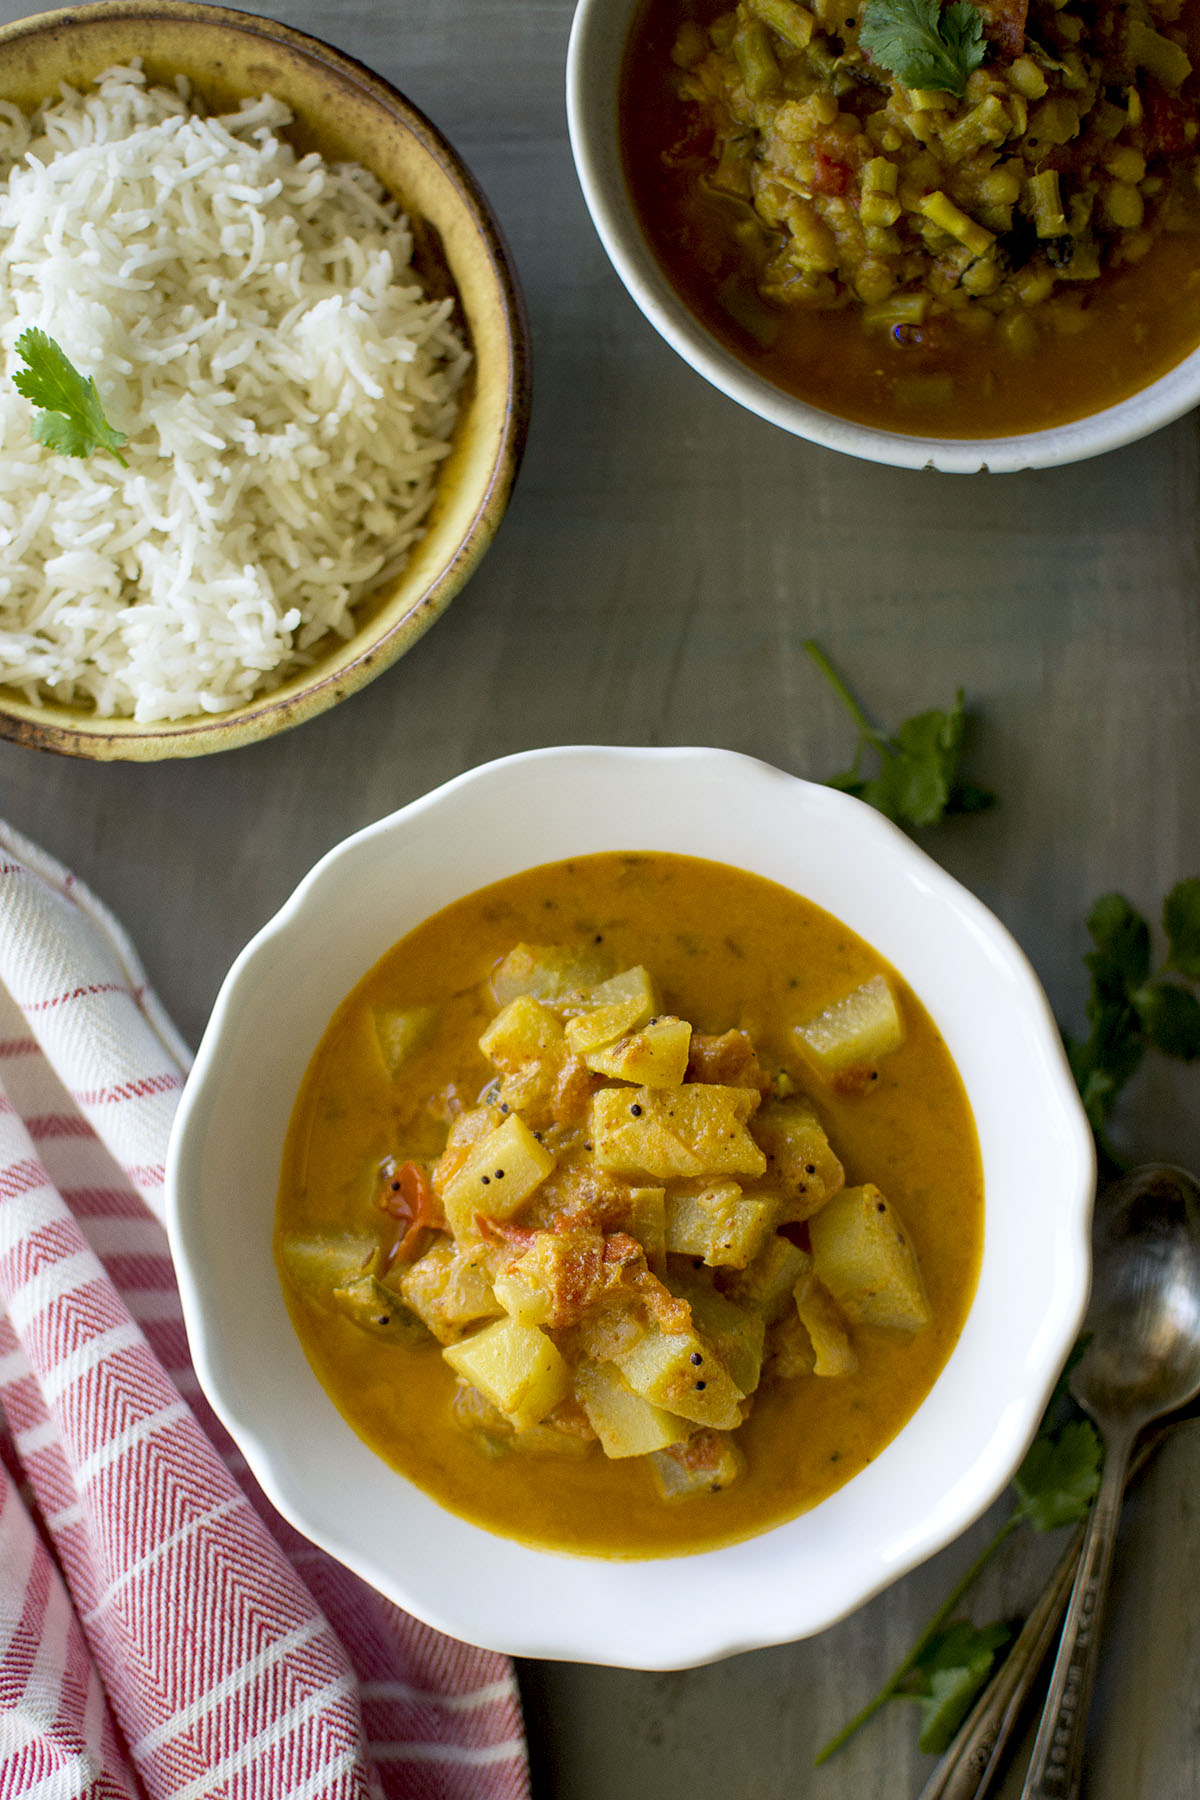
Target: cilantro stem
847,698
939,1621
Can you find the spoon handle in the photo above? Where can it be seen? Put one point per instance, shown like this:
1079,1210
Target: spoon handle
970,1765
1056,1766
968,1768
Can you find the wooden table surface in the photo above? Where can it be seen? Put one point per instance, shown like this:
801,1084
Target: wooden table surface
663,560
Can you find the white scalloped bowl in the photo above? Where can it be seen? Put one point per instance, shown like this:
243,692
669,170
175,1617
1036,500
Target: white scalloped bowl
594,57
944,1467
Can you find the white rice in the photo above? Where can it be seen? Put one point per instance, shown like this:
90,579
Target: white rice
253,323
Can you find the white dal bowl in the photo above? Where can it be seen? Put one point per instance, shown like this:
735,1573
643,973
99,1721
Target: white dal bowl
594,59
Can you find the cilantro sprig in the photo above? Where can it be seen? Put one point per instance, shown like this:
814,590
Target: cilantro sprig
947,1667
72,419
918,778
923,44
949,1675
1132,1006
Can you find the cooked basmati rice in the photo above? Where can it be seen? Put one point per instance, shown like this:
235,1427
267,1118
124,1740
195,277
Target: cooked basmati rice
253,323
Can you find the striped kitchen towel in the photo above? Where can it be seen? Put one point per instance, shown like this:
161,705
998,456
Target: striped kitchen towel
162,1631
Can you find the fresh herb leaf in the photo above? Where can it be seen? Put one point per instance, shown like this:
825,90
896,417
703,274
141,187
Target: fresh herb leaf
1058,1479
1181,922
1122,940
1170,1017
923,44
949,1677
1132,1007
917,781
72,419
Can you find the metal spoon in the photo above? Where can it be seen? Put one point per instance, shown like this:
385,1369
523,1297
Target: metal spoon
1143,1359
976,1758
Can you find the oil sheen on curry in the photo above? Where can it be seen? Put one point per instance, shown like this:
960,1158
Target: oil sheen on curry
630,1206
959,221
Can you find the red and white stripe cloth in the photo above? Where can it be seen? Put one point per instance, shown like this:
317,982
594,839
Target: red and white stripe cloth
163,1633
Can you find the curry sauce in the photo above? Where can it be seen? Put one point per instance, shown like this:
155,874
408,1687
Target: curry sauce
733,954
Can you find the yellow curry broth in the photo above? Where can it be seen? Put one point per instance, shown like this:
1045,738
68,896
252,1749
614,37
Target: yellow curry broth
726,949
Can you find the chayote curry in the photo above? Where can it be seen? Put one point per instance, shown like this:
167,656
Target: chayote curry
630,1205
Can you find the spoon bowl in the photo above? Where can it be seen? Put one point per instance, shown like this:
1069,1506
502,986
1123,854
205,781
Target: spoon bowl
1142,1360
1143,1357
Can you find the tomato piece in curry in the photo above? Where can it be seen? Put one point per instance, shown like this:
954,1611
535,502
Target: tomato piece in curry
630,1206
999,260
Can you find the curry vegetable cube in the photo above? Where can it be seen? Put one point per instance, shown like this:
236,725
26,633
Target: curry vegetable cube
547,1440
800,1159
629,984
423,1286
610,1332
514,1366
622,1003
318,1262
766,1286
526,1303
865,1257
681,1371
737,1334
449,1288
646,1223
625,1422
792,1353
525,1031
800,121
833,1352
897,309
469,1293
400,1031
1055,121
705,1463
594,1030
854,1031
497,1177
566,1268
656,1056
1124,163
551,972
368,1303
676,1133
718,1224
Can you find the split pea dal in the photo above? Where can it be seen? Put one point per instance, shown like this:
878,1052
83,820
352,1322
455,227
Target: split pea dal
1001,261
